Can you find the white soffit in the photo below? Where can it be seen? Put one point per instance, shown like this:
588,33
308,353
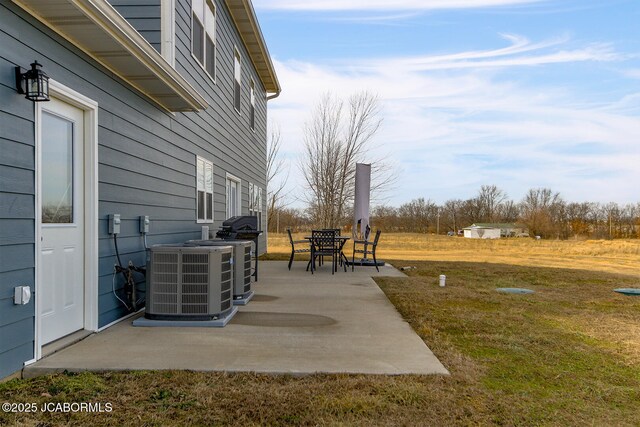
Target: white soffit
245,19
99,30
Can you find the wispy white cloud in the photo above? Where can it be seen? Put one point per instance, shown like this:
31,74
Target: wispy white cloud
465,127
334,5
520,52
382,18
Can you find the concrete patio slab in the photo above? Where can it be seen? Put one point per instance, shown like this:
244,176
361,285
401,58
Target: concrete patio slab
297,323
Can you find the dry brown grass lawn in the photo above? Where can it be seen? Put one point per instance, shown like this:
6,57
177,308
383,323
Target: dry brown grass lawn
616,256
567,355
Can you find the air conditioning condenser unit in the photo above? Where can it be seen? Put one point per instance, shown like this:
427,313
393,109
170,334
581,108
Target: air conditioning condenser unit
242,254
189,283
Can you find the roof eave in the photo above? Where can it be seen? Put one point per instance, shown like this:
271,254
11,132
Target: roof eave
246,22
122,49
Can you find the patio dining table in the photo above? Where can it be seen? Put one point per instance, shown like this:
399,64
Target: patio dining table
341,241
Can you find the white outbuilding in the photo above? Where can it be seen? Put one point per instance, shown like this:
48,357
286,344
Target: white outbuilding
495,230
481,232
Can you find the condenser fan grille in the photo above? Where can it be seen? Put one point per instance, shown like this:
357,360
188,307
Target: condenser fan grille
195,283
239,268
165,279
225,282
247,269
189,283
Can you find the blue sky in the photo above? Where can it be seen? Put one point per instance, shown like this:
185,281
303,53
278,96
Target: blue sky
516,93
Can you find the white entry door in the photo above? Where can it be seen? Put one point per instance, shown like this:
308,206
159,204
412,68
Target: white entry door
61,260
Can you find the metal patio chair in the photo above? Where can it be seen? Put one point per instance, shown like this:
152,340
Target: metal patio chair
365,247
297,250
342,258
323,243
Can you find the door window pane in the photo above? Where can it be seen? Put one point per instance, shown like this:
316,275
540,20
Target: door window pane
57,170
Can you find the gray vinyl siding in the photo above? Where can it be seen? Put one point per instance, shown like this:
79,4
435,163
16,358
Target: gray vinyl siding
17,221
146,158
234,147
144,16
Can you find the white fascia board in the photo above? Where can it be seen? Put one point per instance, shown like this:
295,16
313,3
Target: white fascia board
96,28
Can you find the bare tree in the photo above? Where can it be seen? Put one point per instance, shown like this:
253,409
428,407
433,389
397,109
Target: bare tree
385,217
417,215
292,218
489,199
630,215
452,215
338,136
277,176
613,215
543,211
508,211
540,211
577,219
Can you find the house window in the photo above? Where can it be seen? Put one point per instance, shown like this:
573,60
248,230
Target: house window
251,195
255,202
252,108
233,196
204,178
237,78
203,34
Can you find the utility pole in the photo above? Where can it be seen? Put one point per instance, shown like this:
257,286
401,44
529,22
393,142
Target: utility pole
455,229
610,228
438,220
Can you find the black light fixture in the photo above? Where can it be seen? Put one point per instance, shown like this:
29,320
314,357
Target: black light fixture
33,83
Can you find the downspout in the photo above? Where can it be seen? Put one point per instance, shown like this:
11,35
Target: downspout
268,98
274,96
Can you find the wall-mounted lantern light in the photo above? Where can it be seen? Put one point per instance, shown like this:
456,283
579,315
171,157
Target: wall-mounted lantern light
33,83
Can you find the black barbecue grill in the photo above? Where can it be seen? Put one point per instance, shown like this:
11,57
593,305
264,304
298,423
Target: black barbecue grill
242,228
239,228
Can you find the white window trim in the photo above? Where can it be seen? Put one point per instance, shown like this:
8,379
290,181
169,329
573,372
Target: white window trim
261,215
168,31
205,220
256,209
90,108
255,194
230,177
236,54
252,104
204,35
